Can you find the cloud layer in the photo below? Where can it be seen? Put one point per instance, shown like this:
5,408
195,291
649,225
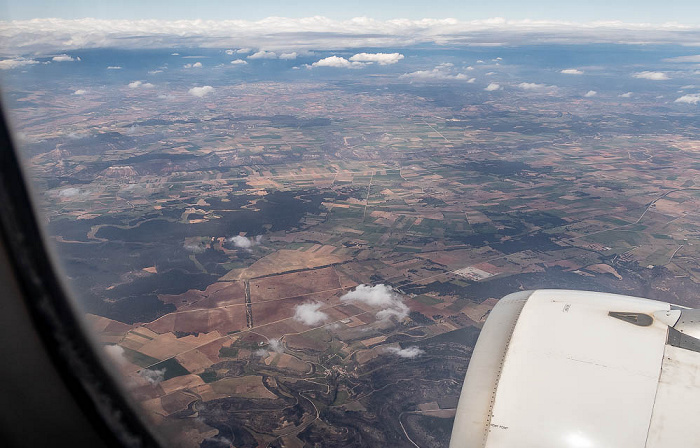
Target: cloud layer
442,72
277,33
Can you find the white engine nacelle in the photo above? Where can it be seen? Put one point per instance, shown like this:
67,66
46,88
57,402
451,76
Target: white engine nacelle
558,368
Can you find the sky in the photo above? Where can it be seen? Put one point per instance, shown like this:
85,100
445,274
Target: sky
636,11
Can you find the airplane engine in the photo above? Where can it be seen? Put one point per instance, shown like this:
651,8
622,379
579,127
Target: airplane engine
558,368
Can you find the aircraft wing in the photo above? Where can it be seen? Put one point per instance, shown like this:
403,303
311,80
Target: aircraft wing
558,368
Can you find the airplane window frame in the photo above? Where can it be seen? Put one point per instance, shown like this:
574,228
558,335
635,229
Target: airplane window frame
94,389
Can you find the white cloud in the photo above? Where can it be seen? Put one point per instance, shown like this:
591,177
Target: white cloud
308,33
379,58
9,64
689,86
493,86
230,52
275,345
116,354
201,91
289,56
195,65
114,67
310,313
80,92
654,76
441,72
262,54
379,296
69,192
140,84
174,54
243,242
626,95
532,86
243,50
261,352
692,59
590,93
337,62
154,377
408,352
692,98
572,71
64,58
238,62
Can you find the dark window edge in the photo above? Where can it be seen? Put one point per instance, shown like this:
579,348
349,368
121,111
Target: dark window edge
94,389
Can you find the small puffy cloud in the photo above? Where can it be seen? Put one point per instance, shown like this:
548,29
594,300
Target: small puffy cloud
532,86
195,65
140,85
69,192
654,76
230,52
116,354
64,58
239,62
262,54
408,352
155,72
275,345
80,92
243,242
493,86
174,54
114,67
310,313
379,296
571,71
243,50
154,377
9,64
626,95
379,58
201,92
692,98
689,86
289,56
590,93
337,62
471,80
261,352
